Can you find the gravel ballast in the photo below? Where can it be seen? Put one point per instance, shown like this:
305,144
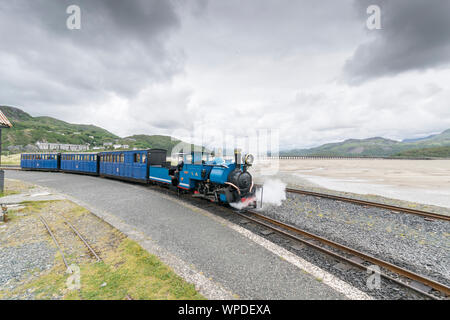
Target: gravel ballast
18,262
407,240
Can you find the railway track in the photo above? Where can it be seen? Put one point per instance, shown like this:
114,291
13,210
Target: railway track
430,215
78,234
346,254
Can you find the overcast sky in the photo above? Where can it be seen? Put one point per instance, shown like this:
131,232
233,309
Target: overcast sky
311,69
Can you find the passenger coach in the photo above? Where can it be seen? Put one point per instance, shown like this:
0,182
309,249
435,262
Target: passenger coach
125,165
87,163
40,161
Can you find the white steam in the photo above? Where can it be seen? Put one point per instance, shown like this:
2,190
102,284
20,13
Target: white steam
239,205
273,192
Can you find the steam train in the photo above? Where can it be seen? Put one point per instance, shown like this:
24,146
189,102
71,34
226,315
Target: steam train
218,180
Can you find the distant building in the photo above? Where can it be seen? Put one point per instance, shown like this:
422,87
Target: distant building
61,146
121,146
107,144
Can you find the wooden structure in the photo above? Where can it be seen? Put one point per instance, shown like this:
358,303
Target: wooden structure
4,123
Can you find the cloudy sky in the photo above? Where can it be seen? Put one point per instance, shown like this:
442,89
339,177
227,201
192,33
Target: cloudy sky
310,69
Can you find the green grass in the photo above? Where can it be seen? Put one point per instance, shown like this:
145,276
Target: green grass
130,271
13,159
127,269
7,193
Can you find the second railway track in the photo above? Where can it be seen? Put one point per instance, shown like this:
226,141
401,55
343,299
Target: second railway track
425,214
75,231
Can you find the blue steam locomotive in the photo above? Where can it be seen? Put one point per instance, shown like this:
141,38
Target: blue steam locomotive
218,180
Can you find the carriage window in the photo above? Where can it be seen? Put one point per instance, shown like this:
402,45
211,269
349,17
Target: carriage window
144,158
137,157
122,157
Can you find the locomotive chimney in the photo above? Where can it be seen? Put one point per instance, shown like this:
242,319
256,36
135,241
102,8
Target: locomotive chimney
237,156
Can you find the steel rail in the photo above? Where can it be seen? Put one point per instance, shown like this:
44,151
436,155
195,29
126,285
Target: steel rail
81,237
54,240
389,266
372,204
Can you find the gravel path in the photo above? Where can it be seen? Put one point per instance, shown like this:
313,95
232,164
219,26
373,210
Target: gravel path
407,240
20,261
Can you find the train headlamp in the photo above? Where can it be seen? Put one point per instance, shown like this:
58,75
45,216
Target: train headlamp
248,160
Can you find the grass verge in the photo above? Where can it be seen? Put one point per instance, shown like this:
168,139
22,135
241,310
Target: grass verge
128,273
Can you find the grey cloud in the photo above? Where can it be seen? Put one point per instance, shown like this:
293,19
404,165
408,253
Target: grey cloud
120,48
415,35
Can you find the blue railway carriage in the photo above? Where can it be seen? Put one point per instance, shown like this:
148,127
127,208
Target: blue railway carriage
85,163
125,165
40,161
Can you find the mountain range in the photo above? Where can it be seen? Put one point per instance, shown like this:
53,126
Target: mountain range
436,145
28,130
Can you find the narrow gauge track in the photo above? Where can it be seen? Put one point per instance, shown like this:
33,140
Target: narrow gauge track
288,230
67,222
372,204
345,254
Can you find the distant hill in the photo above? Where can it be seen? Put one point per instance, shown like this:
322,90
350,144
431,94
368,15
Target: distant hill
418,139
27,130
143,141
373,147
435,152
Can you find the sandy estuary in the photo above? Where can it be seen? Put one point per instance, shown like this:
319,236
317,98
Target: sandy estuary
420,181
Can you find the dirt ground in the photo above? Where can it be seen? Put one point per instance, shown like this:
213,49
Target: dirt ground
423,181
